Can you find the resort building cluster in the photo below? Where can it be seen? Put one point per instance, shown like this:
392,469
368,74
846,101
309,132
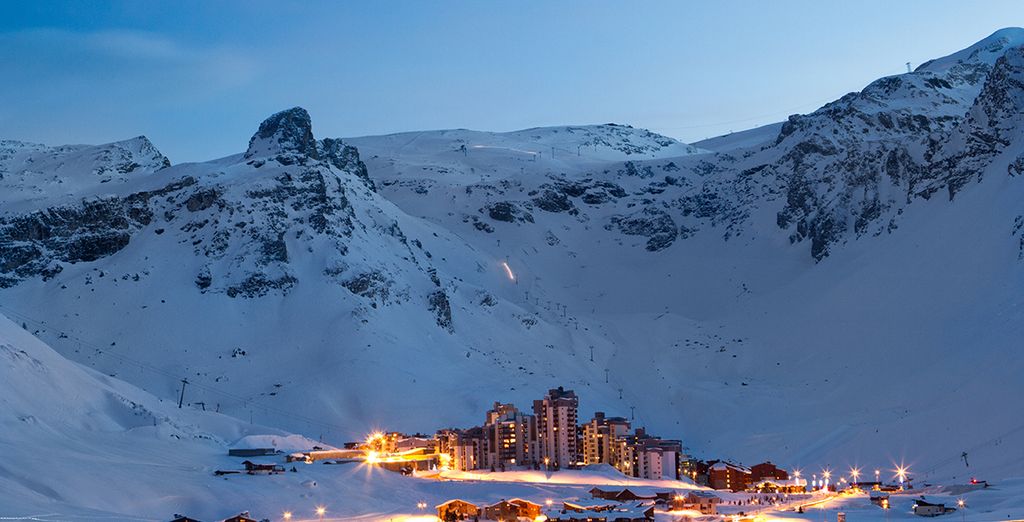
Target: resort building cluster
551,437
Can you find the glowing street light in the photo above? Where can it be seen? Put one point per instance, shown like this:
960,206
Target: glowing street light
287,515
901,473
320,510
962,505
855,473
548,502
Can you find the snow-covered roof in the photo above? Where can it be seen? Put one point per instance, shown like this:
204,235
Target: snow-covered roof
722,466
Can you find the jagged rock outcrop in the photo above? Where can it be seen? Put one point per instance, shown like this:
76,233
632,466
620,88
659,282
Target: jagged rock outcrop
286,137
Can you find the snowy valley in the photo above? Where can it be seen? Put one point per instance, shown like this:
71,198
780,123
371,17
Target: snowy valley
840,289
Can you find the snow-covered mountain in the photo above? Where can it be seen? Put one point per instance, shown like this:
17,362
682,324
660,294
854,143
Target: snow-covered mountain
839,289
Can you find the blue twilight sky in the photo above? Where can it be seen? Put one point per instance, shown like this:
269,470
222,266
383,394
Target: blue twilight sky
197,77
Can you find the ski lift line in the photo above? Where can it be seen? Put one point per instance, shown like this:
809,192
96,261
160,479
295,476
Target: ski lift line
243,402
972,449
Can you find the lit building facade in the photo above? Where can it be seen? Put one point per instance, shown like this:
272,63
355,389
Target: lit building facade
556,417
511,437
601,444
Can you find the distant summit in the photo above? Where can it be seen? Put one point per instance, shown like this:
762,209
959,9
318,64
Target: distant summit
985,52
286,136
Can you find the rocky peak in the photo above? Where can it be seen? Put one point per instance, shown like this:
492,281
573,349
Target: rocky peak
286,137
137,153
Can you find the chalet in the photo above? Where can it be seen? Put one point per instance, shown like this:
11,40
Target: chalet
456,509
253,468
511,510
624,495
502,511
241,517
924,508
526,508
726,475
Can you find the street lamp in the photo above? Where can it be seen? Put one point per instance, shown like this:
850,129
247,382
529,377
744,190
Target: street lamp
287,515
901,473
320,510
962,505
548,502
855,473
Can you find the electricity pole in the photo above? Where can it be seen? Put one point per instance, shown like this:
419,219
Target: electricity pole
182,398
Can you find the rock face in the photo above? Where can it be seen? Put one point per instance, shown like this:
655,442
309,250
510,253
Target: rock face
246,231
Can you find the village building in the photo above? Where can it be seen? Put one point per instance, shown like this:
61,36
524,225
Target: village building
627,513
879,498
925,508
556,416
183,518
252,452
650,457
700,500
726,475
241,517
527,509
602,440
466,449
253,468
457,509
694,469
511,510
511,436
415,442
621,495
769,471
